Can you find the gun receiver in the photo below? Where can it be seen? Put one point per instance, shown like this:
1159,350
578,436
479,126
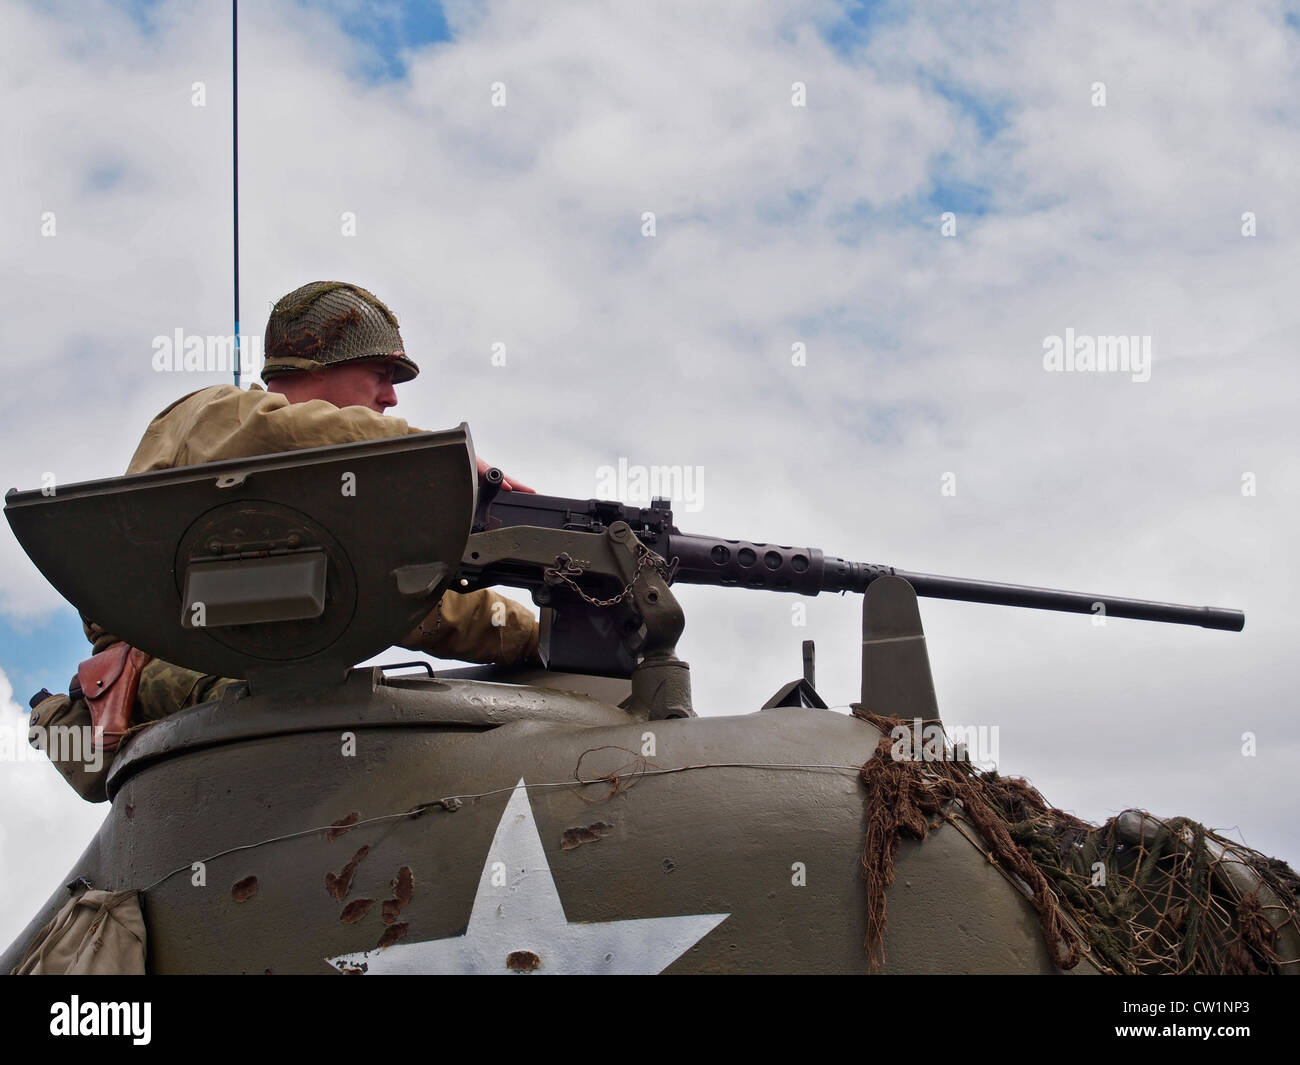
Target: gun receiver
806,571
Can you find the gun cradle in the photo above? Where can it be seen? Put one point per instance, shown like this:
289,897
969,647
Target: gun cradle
649,620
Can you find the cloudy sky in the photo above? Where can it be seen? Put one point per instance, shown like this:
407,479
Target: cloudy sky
921,199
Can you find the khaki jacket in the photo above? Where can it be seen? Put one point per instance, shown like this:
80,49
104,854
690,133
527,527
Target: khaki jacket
225,422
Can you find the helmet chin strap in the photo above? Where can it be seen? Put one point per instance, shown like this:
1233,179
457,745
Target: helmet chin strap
291,364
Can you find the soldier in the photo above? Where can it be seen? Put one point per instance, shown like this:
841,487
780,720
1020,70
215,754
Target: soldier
333,357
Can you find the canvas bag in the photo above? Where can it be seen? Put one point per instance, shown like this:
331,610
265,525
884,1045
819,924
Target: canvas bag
97,933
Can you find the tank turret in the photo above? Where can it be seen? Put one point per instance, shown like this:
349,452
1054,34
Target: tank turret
321,817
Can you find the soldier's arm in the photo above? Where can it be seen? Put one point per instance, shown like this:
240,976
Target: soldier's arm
481,626
100,640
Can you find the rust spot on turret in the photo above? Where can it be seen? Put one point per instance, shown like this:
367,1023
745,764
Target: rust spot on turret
337,828
403,889
355,910
245,889
576,837
523,961
391,935
337,884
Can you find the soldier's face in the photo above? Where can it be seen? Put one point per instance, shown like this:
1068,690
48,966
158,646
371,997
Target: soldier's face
368,383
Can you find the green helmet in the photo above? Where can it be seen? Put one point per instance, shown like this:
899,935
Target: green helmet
325,323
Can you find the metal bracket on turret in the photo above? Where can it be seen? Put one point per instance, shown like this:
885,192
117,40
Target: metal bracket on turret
644,617
896,678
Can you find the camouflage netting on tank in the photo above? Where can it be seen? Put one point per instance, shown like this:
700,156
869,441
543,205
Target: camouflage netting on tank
1136,895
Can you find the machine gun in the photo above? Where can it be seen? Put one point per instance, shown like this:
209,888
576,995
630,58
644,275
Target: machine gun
273,578
522,540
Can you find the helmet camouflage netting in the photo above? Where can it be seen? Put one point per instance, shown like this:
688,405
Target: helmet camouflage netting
325,323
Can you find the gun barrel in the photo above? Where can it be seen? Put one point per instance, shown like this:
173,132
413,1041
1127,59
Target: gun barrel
807,571
1208,617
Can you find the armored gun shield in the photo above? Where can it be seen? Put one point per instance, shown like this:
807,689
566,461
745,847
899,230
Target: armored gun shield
283,568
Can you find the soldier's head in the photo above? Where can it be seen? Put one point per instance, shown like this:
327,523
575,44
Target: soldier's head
337,342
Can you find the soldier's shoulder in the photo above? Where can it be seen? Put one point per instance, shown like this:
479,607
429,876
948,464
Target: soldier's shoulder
214,395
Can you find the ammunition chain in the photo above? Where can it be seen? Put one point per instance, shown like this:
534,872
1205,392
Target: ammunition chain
566,568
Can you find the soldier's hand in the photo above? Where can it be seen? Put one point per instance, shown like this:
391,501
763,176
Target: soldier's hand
507,484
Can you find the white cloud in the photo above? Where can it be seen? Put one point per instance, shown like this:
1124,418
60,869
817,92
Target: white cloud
45,828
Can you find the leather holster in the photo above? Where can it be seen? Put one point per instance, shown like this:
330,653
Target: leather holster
109,681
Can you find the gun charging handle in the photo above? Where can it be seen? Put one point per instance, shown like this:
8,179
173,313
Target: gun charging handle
489,485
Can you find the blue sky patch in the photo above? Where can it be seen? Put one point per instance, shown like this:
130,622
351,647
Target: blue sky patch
105,176
384,31
141,12
858,21
989,116
863,219
43,654
951,194
788,208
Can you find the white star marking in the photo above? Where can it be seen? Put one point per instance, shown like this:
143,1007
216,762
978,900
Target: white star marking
517,909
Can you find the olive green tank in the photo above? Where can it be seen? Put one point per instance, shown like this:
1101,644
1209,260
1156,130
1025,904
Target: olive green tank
580,818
